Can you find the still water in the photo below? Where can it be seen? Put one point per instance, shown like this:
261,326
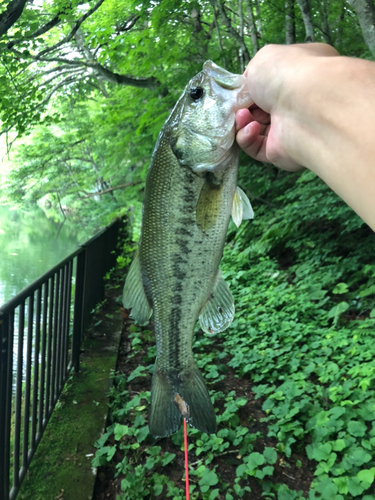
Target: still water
30,244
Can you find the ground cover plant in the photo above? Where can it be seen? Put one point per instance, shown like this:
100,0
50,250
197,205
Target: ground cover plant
292,379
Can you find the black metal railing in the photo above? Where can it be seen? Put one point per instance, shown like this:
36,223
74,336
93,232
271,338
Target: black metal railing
41,332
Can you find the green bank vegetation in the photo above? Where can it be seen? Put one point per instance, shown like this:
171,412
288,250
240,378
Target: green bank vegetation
302,342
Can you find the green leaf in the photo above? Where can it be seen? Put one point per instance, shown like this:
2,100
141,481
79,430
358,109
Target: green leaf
270,455
322,452
150,462
359,456
254,460
340,288
158,488
342,484
366,475
327,488
138,372
214,494
155,450
338,445
267,470
167,458
356,428
284,493
208,479
354,486
141,433
368,291
120,431
241,470
337,310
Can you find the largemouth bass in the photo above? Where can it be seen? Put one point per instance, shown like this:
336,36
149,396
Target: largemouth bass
190,194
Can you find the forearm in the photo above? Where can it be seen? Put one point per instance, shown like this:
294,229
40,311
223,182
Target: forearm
329,127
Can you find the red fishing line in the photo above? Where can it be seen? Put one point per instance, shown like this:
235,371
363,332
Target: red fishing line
186,463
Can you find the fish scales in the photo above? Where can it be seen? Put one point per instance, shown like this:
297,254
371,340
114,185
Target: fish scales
185,217
177,255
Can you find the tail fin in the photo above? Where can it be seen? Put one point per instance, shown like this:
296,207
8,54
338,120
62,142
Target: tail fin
165,418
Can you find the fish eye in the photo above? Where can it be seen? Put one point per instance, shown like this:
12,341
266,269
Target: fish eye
196,93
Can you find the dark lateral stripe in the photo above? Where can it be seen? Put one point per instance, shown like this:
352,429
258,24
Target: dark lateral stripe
180,261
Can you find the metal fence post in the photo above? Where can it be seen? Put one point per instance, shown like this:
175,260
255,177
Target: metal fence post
4,406
78,306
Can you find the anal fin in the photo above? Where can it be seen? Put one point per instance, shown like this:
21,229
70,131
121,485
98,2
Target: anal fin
217,314
134,296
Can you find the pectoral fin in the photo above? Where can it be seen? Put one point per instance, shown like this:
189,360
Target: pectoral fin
217,314
134,296
241,208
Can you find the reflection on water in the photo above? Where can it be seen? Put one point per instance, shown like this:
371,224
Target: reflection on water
30,244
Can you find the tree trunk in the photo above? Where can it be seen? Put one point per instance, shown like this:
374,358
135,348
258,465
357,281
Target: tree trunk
219,4
11,14
339,29
290,25
304,5
241,54
251,23
365,11
326,28
258,20
219,38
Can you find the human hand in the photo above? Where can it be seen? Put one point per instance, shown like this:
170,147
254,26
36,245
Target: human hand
276,76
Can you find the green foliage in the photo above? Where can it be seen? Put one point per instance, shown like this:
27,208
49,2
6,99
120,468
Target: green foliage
308,351
303,339
93,132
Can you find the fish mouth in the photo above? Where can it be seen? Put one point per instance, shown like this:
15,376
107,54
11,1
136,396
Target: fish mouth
222,77
229,81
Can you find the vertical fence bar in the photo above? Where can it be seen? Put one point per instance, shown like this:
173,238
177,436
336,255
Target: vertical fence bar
18,403
43,360
5,388
10,395
36,391
54,340
68,299
60,333
49,348
62,327
78,304
27,389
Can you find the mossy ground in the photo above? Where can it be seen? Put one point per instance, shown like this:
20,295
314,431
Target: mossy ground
61,467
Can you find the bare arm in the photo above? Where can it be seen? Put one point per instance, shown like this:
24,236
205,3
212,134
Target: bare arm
314,109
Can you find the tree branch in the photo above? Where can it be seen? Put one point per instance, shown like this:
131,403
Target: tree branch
74,30
11,14
108,75
43,29
89,195
128,24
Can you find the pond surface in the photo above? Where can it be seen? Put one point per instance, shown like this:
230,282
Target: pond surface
31,244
